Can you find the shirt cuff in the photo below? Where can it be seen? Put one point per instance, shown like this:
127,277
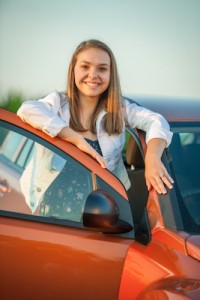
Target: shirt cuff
164,134
54,126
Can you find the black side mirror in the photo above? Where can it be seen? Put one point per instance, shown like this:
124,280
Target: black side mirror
101,214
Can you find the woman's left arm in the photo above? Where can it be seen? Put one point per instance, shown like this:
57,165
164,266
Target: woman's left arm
155,172
158,137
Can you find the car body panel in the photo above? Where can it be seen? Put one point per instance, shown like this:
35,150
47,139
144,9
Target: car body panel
168,251
175,271
57,262
193,246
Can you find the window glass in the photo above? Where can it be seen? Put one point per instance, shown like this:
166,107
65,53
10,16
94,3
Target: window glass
43,183
185,150
17,142
25,153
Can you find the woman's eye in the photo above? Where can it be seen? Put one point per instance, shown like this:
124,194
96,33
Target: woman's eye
102,69
84,67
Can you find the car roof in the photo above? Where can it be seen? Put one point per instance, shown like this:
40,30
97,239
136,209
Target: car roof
173,109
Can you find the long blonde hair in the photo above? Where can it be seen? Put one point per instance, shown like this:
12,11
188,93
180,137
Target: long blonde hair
110,100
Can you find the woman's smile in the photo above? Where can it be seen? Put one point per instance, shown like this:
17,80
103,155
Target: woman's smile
92,84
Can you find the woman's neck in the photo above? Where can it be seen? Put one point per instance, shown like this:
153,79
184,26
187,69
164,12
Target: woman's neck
88,103
87,107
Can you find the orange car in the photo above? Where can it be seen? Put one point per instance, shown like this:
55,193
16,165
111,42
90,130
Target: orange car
105,244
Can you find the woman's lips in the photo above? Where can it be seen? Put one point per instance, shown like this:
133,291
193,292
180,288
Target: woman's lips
92,84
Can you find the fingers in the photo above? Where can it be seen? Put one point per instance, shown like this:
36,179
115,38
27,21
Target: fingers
159,186
99,158
167,180
148,184
159,182
84,146
101,161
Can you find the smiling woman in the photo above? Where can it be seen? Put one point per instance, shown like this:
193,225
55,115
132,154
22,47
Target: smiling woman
92,115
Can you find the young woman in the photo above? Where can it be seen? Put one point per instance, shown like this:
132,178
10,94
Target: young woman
92,115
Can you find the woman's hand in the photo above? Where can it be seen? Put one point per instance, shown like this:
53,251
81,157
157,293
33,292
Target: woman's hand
155,172
84,146
78,140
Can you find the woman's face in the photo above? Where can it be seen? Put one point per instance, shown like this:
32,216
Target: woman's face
92,72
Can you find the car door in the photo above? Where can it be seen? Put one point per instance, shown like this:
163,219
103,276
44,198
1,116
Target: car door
46,252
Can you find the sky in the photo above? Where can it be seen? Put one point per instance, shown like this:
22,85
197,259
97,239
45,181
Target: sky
156,44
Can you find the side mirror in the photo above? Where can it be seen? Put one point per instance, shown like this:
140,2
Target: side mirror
101,214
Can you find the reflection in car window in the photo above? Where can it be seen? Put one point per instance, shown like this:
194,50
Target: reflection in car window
185,150
25,153
17,142
44,183
65,197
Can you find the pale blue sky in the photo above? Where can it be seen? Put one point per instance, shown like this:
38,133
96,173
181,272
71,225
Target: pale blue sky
156,43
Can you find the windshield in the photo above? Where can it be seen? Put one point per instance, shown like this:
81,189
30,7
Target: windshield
185,153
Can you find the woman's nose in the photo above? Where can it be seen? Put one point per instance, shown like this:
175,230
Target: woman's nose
93,73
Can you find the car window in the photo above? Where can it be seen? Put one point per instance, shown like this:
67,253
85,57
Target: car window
25,153
37,181
17,142
185,149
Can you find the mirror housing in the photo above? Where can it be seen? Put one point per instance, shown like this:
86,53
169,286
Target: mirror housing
101,214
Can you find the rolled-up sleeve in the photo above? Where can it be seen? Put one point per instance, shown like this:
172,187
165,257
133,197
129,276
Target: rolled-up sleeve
43,114
154,124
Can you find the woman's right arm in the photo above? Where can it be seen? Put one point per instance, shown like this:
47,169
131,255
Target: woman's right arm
43,114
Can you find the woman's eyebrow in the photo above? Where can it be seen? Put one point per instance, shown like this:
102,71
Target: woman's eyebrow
89,63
